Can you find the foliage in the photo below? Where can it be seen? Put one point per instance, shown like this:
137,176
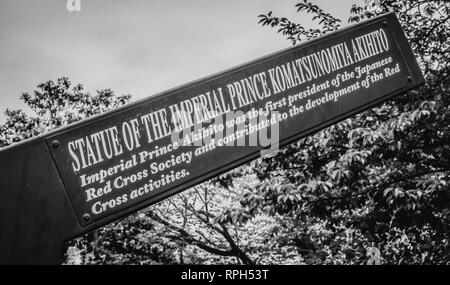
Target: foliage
53,105
371,189
296,32
381,175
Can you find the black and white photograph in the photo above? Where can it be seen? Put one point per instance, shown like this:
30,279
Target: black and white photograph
245,134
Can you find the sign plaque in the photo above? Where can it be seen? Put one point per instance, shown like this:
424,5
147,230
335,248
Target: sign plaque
65,183
130,157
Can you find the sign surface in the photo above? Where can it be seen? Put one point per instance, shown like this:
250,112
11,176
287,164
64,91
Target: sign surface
140,154
59,185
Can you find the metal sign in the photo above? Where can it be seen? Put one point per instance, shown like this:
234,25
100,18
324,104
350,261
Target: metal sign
98,170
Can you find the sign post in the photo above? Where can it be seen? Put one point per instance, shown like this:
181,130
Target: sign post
60,185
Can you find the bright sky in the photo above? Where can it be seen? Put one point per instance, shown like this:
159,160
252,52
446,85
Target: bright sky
137,47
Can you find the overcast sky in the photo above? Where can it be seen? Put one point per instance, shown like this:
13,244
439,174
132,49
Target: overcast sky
137,47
